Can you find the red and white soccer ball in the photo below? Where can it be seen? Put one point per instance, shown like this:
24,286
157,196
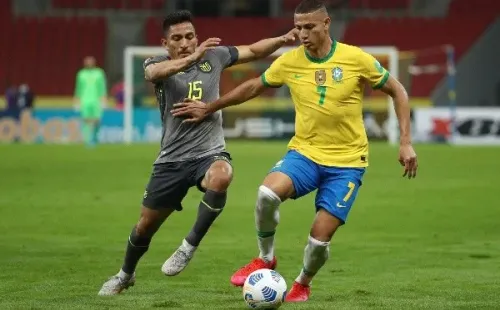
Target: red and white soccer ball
264,289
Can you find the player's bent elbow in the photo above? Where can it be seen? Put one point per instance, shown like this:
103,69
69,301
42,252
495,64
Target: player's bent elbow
152,73
148,74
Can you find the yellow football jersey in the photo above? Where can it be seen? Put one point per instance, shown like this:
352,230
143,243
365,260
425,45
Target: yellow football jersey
328,94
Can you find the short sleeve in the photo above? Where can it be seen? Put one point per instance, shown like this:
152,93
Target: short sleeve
227,55
154,60
273,76
372,71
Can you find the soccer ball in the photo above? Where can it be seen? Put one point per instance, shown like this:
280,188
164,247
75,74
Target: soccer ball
264,289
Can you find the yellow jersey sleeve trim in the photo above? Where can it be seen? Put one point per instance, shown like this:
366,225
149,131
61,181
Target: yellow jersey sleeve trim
382,82
266,83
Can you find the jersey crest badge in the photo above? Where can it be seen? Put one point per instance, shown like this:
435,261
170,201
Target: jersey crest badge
205,66
320,77
337,74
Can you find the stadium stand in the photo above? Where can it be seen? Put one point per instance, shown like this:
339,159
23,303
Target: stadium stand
289,5
476,7
74,37
411,34
109,4
208,27
58,55
379,4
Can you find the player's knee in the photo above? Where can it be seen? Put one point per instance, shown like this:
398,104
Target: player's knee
220,182
219,179
267,198
280,184
266,210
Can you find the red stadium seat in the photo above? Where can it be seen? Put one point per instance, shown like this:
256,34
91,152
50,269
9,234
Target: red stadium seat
5,9
109,4
72,4
379,4
403,33
59,44
290,5
206,27
477,7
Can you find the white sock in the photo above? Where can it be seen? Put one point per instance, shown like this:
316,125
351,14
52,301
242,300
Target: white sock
266,220
123,275
315,255
188,247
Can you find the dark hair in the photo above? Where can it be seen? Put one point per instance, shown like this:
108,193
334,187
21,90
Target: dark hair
309,6
175,18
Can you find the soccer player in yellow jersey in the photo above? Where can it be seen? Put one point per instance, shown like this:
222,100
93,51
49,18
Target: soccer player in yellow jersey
329,151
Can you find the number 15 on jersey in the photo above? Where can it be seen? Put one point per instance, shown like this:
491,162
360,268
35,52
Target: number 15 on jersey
195,90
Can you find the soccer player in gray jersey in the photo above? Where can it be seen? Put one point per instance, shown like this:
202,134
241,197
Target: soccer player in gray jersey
191,154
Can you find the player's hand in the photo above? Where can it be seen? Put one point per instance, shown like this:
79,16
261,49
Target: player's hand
290,36
408,159
208,44
194,110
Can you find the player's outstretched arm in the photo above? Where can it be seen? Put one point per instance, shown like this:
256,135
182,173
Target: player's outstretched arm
162,70
196,111
264,48
407,156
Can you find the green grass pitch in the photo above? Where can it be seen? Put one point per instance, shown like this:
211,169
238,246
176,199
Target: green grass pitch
429,243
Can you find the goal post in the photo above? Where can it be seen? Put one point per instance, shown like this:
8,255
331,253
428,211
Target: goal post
135,55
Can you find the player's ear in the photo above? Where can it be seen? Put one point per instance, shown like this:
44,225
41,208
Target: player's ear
328,21
164,43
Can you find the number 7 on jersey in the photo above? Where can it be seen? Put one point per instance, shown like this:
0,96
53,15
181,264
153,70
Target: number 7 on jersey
322,93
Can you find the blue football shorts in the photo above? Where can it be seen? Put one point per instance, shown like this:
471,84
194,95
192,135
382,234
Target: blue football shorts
337,186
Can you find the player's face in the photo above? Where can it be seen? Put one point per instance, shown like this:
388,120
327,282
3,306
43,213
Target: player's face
314,28
89,62
180,40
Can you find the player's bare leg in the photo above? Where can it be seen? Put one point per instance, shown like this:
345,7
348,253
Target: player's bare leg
138,244
315,254
276,188
216,182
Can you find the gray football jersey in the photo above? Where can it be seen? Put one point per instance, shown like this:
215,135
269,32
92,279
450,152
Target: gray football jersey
181,142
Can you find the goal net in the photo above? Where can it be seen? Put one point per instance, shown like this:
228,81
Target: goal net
269,116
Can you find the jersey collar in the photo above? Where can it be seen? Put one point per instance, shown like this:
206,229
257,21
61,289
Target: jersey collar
324,59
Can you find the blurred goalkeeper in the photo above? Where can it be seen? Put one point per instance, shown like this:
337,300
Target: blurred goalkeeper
90,96
191,154
329,152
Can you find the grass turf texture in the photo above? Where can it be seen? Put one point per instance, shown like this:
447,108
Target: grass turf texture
66,212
